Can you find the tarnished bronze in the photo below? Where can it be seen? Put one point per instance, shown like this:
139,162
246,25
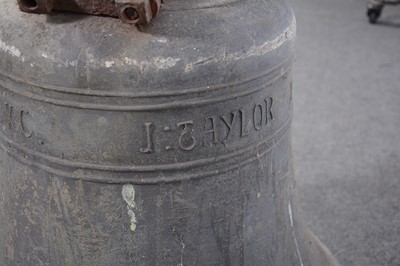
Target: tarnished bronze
128,11
168,145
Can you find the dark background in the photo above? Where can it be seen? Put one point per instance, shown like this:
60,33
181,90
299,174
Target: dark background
346,128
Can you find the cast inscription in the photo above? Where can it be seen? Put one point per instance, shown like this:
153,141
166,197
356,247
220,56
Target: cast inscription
210,131
14,119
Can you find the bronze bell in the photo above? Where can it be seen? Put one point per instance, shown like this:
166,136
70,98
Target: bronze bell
162,144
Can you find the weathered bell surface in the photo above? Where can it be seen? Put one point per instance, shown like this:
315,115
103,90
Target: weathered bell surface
168,145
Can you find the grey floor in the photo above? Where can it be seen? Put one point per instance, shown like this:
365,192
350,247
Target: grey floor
346,128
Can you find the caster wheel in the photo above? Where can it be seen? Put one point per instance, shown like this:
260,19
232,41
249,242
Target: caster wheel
373,16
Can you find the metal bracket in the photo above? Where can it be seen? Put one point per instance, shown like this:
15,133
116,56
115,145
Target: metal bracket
128,11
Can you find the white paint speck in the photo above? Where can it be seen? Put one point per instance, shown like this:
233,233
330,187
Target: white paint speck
161,40
68,63
164,63
157,63
49,56
109,64
128,193
12,50
102,121
132,215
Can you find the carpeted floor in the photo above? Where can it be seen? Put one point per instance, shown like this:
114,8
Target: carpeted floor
346,128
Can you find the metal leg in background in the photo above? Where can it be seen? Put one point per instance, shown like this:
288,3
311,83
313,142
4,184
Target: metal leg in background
375,7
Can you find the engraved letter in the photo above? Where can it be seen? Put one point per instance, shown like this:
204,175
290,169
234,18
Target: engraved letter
150,144
26,133
183,143
258,124
243,129
268,106
212,130
229,124
10,109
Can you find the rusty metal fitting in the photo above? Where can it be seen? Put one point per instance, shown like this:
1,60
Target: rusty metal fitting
137,11
128,11
36,6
